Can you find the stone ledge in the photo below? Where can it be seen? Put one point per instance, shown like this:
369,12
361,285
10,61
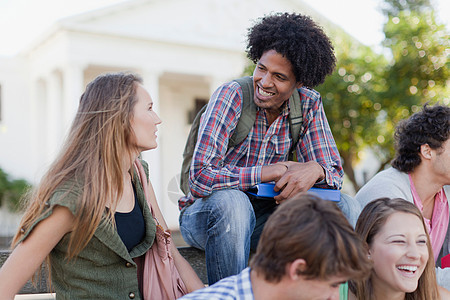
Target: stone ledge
194,256
44,296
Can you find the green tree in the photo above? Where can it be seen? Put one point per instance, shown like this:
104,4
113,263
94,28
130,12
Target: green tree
394,7
418,70
11,191
364,114
351,101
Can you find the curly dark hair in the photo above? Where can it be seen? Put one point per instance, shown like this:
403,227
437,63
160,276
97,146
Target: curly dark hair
430,126
299,39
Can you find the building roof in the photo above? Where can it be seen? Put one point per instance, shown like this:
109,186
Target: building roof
205,23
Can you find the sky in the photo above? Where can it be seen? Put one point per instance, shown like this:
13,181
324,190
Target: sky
22,21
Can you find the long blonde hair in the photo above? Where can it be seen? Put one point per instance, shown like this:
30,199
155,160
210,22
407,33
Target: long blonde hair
94,155
370,222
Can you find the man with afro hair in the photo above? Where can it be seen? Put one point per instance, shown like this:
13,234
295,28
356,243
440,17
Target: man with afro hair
292,55
420,174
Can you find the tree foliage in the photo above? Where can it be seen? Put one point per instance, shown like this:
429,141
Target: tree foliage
394,7
351,99
11,191
416,73
418,70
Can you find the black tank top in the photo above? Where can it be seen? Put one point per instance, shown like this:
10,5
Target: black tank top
131,225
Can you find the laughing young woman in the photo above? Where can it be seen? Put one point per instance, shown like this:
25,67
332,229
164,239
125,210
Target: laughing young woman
89,216
399,247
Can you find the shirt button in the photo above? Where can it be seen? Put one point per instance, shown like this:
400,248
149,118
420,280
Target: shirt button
128,265
131,295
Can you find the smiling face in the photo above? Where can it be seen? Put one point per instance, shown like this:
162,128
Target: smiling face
144,122
400,253
273,81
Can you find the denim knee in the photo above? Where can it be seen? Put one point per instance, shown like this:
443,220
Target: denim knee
224,214
232,212
350,208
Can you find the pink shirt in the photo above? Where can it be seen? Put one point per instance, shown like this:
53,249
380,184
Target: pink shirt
437,226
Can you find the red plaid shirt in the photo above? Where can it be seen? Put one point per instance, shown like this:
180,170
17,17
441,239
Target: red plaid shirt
214,168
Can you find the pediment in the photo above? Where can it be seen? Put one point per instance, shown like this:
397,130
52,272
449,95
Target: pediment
210,23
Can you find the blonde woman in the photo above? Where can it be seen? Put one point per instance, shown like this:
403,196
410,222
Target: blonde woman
400,250
88,216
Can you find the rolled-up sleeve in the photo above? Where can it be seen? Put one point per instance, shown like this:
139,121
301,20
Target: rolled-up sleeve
208,171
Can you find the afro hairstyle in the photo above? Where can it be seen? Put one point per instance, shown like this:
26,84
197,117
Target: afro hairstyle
299,39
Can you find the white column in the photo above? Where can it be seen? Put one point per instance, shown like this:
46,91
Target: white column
73,87
53,122
38,127
154,157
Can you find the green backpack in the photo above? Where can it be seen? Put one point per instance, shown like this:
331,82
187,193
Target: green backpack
243,127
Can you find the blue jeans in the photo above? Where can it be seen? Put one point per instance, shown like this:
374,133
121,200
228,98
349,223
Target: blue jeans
350,208
224,225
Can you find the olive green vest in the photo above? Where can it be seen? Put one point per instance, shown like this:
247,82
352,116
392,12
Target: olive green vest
104,269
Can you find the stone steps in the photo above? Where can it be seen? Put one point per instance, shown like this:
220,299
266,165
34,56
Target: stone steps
194,256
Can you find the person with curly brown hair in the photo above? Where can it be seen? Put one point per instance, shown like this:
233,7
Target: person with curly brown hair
420,174
292,55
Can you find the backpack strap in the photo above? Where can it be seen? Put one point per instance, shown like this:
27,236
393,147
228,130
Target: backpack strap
295,121
248,112
248,115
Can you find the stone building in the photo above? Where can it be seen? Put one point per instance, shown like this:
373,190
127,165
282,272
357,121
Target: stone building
183,49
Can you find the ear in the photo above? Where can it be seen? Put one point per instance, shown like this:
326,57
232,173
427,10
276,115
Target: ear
426,152
299,85
296,267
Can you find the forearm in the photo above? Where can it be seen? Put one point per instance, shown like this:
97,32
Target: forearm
28,256
206,178
187,274
203,181
14,274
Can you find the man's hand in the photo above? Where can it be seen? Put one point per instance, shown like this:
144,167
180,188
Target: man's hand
299,177
273,172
